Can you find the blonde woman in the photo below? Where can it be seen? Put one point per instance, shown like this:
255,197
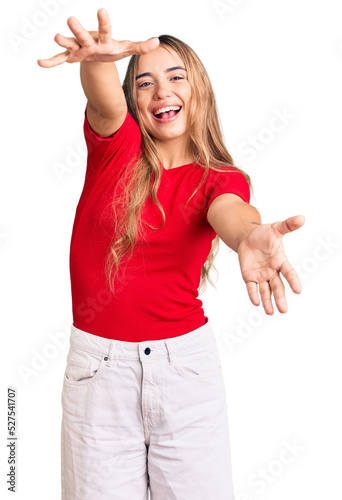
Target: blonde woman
143,395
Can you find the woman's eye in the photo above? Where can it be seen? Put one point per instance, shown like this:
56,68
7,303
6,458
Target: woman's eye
143,84
147,84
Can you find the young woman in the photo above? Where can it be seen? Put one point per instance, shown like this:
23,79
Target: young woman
143,395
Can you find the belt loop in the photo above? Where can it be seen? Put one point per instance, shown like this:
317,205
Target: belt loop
169,348
110,352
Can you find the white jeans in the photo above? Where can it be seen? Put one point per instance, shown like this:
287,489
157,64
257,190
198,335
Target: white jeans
139,415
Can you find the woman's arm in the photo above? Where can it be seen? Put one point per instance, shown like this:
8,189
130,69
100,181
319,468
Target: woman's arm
232,219
259,248
97,51
106,106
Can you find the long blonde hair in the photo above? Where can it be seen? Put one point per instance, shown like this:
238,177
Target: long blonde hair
142,176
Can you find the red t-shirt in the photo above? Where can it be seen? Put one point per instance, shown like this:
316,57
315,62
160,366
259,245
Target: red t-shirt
158,296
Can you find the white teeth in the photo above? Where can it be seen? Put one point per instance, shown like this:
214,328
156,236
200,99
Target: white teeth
168,108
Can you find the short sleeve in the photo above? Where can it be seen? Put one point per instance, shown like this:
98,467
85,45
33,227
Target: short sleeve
228,182
114,150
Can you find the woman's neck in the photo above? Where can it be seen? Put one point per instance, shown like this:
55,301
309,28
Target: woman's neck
172,155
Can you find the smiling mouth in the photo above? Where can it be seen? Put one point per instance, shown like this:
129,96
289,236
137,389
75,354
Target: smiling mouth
164,115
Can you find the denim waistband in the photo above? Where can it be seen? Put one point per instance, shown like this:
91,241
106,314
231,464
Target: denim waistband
150,349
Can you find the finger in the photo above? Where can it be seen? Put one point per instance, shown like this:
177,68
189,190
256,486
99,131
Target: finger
252,289
82,36
147,45
291,276
265,293
104,26
278,289
289,225
67,42
55,60
128,48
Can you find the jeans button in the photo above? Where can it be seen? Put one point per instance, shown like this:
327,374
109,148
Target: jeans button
147,350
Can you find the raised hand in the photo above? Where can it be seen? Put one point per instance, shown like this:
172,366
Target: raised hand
262,259
95,45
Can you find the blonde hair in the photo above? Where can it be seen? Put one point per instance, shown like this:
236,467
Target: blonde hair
142,176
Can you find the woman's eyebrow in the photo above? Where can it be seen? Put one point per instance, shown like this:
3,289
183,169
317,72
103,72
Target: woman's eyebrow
166,71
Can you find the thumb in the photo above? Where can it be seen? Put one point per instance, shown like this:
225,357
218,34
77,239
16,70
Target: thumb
289,225
140,48
152,43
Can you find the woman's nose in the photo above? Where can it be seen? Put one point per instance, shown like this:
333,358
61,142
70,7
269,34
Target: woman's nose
161,91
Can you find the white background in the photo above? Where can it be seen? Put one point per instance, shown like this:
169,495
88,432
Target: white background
282,372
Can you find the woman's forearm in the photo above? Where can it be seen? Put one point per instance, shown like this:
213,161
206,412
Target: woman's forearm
102,87
232,219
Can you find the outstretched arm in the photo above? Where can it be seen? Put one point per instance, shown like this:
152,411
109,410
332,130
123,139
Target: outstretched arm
97,52
232,219
259,247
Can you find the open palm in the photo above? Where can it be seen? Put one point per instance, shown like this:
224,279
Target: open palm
95,45
262,259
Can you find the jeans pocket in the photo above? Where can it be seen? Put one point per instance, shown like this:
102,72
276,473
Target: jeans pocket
201,362
82,367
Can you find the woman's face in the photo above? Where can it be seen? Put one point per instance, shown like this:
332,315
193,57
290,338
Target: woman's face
162,82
